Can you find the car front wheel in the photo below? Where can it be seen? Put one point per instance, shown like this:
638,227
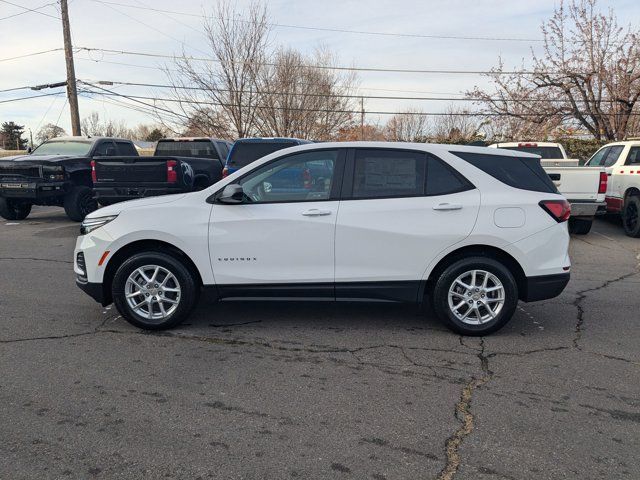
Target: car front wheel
475,296
154,291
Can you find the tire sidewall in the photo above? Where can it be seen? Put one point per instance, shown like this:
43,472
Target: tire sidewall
636,201
73,200
10,210
188,286
441,292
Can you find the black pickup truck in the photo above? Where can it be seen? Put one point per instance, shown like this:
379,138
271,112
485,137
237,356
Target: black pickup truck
177,165
57,173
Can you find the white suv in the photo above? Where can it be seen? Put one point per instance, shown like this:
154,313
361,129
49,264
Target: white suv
473,228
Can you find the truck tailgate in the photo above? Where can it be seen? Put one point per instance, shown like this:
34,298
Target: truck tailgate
576,183
130,170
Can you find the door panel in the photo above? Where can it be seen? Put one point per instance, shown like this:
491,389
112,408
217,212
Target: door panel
395,239
272,242
284,230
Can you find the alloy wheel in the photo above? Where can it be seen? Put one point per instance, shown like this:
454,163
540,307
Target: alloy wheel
152,292
476,297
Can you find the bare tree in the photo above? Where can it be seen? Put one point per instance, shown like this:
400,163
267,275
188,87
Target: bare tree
223,93
93,126
456,125
49,131
410,126
302,97
587,75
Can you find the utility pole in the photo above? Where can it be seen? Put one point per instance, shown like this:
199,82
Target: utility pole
72,92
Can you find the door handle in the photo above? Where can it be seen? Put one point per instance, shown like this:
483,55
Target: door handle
314,212
448,206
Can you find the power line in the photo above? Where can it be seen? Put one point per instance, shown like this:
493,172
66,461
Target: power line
30,54
339,30
14,89
321,67
27,10
149,67
173,100
32,96
339,95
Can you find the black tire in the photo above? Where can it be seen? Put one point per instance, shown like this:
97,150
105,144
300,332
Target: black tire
631,216
79,203
580,226
12,210
440,296
186,282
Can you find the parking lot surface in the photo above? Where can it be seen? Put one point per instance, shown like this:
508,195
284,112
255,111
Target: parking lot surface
316,390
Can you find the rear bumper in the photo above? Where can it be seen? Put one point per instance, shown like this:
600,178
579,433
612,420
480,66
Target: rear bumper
32,190
544,287
121,194
587,209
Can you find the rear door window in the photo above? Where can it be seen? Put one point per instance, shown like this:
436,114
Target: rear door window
126,149
634,156
519,172
105,148
612,155
443,179
382,173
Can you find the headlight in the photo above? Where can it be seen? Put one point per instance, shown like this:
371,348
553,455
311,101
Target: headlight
90,224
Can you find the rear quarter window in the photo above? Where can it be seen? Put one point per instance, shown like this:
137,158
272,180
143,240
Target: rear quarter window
518,172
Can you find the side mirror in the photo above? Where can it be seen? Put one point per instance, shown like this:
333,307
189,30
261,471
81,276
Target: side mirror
29,150
232,194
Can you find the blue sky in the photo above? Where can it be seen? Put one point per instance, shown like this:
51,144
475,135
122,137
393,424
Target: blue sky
95,24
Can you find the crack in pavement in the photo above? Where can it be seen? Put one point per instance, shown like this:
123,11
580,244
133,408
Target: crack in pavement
95,331
577,303
52,260
465,417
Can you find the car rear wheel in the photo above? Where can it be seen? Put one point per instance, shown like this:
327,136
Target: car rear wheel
12,210
630,218
79,203
154,291
475,296
580,226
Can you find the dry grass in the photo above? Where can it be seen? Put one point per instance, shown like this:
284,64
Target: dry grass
8,153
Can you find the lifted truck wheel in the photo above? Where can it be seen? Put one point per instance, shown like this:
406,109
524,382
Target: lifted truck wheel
631,216
580,226
12,210
79,203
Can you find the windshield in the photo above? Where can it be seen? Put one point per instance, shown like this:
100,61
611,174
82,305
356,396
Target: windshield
67,147
244,153
544,152
187,148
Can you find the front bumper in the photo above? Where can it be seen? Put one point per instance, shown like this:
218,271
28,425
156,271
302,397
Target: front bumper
587,209
94,290
32,189
544,287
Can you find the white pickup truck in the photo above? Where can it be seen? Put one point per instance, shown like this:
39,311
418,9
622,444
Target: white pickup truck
621,160
584,187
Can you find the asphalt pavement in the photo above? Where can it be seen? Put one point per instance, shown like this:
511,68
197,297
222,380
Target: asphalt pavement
276,390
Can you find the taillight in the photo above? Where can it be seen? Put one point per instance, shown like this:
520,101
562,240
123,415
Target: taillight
560,210
225,172
94,176
172,174
602,188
